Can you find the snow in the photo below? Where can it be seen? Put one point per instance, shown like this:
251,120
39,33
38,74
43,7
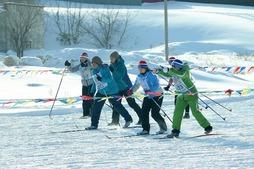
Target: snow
201,34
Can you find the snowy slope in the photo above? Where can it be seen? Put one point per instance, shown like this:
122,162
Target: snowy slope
202,34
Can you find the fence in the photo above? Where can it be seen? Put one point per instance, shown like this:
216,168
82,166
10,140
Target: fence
231,2
109,2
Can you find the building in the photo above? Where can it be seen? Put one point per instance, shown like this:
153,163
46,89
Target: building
231,2
109,2
35,33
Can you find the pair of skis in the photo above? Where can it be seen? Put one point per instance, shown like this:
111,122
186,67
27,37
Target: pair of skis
165,137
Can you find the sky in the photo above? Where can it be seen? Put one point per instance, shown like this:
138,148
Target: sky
216,40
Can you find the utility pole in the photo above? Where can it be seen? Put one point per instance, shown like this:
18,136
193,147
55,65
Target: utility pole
166,28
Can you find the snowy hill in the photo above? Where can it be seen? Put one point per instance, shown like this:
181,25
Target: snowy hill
216,40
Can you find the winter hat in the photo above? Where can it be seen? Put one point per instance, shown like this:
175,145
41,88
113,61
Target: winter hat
177,63
142,64
84,55
97,59
171,59
114,55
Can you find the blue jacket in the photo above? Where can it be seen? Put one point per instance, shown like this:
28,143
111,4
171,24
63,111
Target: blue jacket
120,75
148,81
106,78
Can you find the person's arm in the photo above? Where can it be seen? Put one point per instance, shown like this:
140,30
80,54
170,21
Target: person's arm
73,69
136,85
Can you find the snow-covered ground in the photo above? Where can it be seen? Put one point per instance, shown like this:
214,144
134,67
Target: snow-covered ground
216,36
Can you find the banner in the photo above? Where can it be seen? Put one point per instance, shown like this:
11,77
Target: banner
72,100
31,72
233,70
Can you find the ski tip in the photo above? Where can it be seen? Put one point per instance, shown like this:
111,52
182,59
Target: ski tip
108,137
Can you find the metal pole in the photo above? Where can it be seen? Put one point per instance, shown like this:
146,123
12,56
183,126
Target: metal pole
57,92
166,28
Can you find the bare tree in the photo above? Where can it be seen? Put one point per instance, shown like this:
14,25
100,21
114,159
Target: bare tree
21,19
68,23
107,28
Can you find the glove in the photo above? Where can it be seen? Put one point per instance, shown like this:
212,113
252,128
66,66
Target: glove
67,63
129,92
84,64
156,70
111,69
166,88
98,78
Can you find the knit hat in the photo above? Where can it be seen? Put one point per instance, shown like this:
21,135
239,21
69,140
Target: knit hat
171,59
84,55
177,63
142,64
97,59
114,55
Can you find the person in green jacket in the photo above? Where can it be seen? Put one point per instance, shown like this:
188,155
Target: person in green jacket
189,96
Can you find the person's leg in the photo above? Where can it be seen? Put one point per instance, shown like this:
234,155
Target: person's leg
117,106
86,105
187,114
181,103
132,103
146,106
175,99
156,107
96,112
193,102
115,118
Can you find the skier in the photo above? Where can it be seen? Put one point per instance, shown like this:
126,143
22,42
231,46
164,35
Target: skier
170,82
150,83
85,69
104,86
189,95
121,78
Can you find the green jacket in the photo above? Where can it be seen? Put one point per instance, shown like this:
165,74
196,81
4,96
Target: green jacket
182,79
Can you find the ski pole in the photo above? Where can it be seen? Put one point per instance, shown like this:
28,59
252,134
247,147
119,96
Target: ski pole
223,118
57,92
162,110
216,102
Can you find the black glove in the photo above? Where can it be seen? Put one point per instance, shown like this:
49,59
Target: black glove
67,63
84,64
111,69
98,78
166,88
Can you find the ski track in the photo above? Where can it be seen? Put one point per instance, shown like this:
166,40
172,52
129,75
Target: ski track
27,142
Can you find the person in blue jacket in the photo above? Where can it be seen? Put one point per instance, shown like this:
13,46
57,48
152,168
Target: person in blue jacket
120,76
85,70
104,86
150,83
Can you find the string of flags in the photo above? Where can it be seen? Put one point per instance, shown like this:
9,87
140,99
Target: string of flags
234,70
72,100
31,72
231,69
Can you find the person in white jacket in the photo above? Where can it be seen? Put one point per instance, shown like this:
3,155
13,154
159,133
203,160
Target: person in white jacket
85,68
